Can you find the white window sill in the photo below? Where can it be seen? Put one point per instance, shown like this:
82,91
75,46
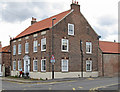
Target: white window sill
26,52
43,71
43,50
88,52
64,71
34,51
65,51
35,70
88,70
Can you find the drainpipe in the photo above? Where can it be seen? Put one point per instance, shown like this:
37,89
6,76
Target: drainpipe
81,49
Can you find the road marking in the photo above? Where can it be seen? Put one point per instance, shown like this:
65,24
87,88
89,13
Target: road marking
50,88
80,87
24,89
90,79
96,88
73,88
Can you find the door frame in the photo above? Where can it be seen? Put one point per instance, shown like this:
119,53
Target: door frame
26,58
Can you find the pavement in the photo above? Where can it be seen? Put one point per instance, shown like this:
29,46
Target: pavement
20,80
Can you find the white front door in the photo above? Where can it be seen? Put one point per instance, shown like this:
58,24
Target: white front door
26,66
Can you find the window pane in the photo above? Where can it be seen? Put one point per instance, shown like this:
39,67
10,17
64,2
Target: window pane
64,65
70,29
43,65
43,44
64,44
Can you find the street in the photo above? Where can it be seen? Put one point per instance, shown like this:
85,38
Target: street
76,84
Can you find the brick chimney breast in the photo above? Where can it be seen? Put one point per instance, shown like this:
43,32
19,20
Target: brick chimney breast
76,7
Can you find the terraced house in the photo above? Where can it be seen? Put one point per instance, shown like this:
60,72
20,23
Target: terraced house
71,40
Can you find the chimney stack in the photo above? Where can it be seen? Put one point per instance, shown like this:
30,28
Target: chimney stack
75,6
33,20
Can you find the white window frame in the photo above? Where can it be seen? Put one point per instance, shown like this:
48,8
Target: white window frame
14,49
35,45
89,62
14,65
43,42
19,66
63,65
69,33
34,65
90,44
27,47
19,48
63,44
44,65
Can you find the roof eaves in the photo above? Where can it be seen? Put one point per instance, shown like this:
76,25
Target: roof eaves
63,17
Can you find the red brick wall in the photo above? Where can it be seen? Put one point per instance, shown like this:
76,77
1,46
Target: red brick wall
60,31
110,64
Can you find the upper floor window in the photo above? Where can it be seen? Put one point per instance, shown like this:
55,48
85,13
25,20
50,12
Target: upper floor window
65,45
88,65
35,46
64,65
19,65
35,65
14,50
19,48
70,29
88,47
26,47
14,65
43,65
43,44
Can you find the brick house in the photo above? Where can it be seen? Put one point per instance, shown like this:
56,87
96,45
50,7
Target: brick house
5,60
72,35
109,55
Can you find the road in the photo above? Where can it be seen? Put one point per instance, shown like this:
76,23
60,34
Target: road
77,84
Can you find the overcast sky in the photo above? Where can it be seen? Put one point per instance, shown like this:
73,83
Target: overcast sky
15,15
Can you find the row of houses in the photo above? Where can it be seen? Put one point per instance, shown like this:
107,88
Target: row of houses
70,39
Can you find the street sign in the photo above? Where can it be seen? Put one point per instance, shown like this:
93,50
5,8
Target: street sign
52,60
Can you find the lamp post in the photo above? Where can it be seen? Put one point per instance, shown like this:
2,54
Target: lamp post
81,49
53,48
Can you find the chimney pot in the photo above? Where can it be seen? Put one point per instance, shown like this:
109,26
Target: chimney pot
77,2
33,20
76,7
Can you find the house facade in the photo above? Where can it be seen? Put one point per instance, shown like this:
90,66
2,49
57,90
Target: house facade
5,64
71,40
109,55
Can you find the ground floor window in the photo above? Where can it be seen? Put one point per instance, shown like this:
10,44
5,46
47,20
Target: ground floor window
88,65
43,65
64,65
34,65
14,65
19,65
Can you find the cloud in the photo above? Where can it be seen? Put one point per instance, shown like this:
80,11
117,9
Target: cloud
107,20
15,11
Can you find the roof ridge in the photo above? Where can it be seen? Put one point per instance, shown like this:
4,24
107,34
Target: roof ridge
43,24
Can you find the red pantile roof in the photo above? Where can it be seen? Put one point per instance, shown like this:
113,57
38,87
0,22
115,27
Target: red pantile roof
6,49
46,23
109,47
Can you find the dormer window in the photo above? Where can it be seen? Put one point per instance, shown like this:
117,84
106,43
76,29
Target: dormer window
70,29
